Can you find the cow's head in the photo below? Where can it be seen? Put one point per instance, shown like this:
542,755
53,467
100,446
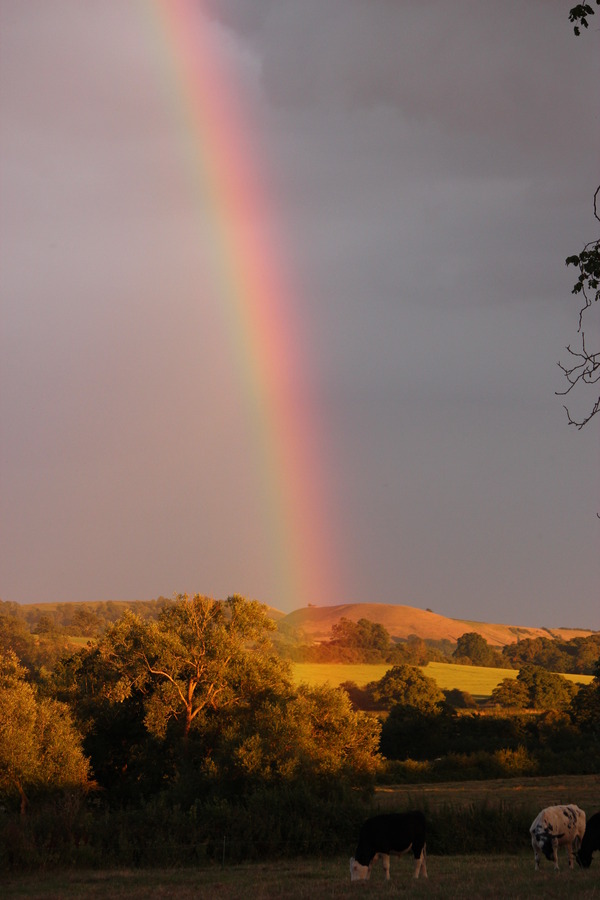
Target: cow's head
583,858
358,872
547,848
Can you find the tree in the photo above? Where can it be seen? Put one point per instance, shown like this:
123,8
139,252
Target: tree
363,635
546,690
510,694
584,366
407,686
585,706
311,735
40,750
473,649
200,655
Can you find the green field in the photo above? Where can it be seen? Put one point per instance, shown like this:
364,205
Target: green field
477,680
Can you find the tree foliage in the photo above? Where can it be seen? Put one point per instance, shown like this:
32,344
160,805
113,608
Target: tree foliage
585,707
576,656
579,15
201,654
40,750
546,690
583,368
510,694
473,649
406,686
198,700
364,634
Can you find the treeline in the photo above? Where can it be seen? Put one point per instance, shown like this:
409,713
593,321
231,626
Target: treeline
537,723
43,630
370,642
360,642
88,618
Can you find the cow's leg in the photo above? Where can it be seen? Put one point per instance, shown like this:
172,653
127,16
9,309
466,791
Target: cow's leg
536,853
421,864
555,852
385,859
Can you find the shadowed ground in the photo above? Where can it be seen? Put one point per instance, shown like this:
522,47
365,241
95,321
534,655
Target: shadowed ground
473,876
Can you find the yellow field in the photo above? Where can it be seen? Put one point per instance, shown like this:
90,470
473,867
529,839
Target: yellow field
477,680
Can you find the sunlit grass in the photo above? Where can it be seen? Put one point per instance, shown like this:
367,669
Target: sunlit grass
477,680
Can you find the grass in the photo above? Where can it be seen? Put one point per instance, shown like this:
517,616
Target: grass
492,877
533,792
479,681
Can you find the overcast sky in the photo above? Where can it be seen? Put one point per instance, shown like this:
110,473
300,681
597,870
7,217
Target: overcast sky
429,167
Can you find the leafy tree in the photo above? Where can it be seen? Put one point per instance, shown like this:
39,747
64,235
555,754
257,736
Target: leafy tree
577,655
364,635
510,694
546,690
201,654
584,366
199,701
312,734
585,706
460,699
87,622
407,686
473,649
40,750
33,652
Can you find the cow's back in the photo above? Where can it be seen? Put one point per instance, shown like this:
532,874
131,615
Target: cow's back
392,833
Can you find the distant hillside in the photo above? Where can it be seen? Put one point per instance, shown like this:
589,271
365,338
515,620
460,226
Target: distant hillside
401,621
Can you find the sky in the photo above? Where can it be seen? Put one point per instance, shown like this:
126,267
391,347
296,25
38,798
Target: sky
283,295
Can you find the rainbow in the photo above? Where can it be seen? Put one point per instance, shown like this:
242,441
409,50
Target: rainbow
259,306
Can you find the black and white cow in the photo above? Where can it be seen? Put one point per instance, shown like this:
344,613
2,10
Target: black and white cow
554,827
389,833
590,841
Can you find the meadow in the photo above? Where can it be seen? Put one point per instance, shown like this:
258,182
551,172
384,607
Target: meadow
474,808
479,681
485,876
532,793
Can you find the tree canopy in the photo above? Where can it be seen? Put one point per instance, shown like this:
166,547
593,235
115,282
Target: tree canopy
40,749
406,686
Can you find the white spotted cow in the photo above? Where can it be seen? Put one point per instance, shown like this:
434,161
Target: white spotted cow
554,827
385,834
590,841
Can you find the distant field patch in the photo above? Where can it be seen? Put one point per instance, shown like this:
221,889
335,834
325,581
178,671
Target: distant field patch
531,791
77,640
477,680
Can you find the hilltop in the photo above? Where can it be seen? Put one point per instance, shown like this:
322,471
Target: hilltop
401,621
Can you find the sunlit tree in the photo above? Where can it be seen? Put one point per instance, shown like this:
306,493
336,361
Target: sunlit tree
40,749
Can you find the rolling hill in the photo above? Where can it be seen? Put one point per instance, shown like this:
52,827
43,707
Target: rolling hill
401,621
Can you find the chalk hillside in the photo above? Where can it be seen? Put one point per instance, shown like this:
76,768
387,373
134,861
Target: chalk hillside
401,621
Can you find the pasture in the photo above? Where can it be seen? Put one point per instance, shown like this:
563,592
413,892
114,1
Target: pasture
489,876
531,793
479,681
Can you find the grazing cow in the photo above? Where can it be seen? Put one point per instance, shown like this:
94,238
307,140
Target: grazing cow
385,834
590,841
554,827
